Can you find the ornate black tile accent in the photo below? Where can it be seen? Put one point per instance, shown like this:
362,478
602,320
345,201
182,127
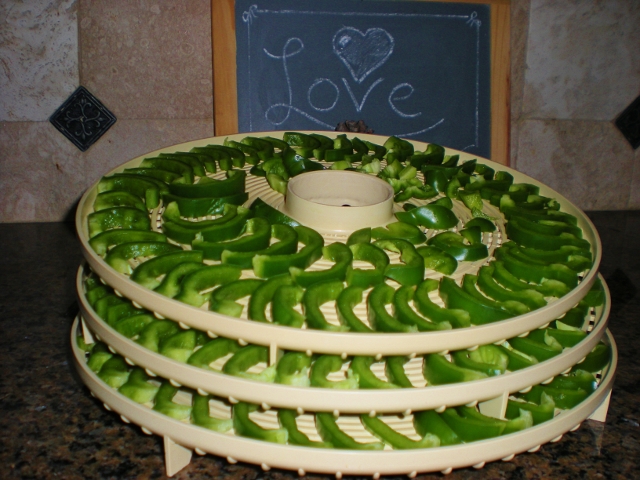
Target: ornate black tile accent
629,123
82,118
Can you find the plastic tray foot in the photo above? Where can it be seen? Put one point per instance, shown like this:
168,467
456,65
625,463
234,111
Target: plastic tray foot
495,407
600,413
176,457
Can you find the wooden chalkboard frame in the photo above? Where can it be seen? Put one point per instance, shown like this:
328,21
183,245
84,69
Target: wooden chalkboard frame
225,93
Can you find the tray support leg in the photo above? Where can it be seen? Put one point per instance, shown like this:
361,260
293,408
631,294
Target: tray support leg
275,354
87,336
495,407
176,457
600,413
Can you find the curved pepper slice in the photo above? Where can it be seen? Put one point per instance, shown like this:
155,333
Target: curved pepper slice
484,224
293,369
284,299
247,357
336,252
212,351
314,297
233,184
163,175
98,357
596,360
204,278
359,236
431,216
517,360
346,301
530,297
147,273
438,260
265,266
138,388
179,346
117,218
110,199
361,367
151,335
394,369
403,312
454,244
537,273
488,359
164,403
411,272
479,312
438,370
287,244
331,433
140,187
255,235
548,226
200,415
567,391
402,230
397,440
457,318
119,256
548,287
379,319
522,421
172,281
470,429
365,278
244,426
173,214
226,227
171,165
429,422
201,207
326,364
540,350
540,413
263,210
114,372
263,295
101,242
287,419
132,325
223,298
527,237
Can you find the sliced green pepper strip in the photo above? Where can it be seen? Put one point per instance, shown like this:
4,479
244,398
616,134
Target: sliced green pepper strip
379,319
263,295
531,272
479,312
253,154
172,214
565,391
517,360
576,316
336,252
457,318
438,370
111,199
104,303
438,260
286,245
331,433
595,296
361,367
293,369
454,244
245,427
274,216
527,237
101,242
522,421
295,163
429,422
547,226
247,357
540,350
365,278
171,165
488,359
164,403
143,188
403,312
548,287
596,360
397,440
277,183
394,369
359,236
119,256
236,157
172,281
346,301
117,218
162,175
530,297
232,185
402,230
326,364
265,266
204,278
114,372
179,346
131,326
287,419
540,413
411,272
472,429
212,351
147,273
255,235
138,388
469,285
567,337
200,415
285,298
224,228
314,297
151,335
98,357
188,158
201,207
223,298
430,216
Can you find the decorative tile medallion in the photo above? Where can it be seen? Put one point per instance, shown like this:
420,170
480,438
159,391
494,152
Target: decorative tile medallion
629,123
82,118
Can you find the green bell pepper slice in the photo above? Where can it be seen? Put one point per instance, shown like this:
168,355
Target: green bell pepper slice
346,301
457,318
287,244
470,429
162,175
293,369
138,388
540,413
331,433
480,313
338,253
179,346
263,210
212,351
172,281
127,218
245,427
359,236
402,311
201,207
223,298
379,319
361,367
99,355
143,188
404,231
171,165
200,415
394,369
397,440
548,287
226,227
437,259
131,326
540,350
524,235
285,298
164,403
596,360
190,159
265,266
147,273
532,272
428,422
156,331
314,297
287,419
204,278
454,244
109,238
118,257
247,357
254,236
432,216
263,295
488,359
567,391
114,372
111,199
411,271
232,185
365,278
530,297
326,364
517,359
437,370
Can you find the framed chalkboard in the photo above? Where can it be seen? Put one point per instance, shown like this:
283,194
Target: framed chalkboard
421,70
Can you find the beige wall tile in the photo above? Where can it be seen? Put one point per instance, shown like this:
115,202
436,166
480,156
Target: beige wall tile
148,60
38,57
42,174
582,58
587,162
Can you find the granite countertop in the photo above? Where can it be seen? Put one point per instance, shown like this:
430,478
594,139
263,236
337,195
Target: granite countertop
52,427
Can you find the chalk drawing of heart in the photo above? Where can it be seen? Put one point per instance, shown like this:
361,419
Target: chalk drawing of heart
362,53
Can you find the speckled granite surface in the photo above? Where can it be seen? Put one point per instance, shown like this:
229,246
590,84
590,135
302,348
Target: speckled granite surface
51,427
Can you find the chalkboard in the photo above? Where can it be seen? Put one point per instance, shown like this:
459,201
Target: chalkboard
416,69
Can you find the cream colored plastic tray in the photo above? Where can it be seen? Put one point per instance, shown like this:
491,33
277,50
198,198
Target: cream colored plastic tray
181,438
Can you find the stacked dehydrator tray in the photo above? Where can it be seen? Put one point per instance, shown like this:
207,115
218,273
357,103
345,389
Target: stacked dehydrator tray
377,389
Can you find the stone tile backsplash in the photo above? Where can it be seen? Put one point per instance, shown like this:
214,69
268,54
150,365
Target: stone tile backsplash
574,69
